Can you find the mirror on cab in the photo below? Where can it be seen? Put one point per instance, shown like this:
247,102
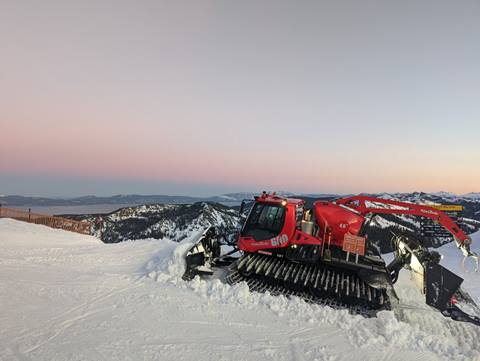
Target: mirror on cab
242,208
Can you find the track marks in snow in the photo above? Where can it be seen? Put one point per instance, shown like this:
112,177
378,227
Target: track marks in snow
127,301
59,324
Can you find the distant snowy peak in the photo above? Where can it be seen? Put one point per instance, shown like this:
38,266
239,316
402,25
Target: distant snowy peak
472,195
431,198
443,194
173,221
227,198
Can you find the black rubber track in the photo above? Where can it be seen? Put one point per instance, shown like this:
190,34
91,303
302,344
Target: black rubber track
319,283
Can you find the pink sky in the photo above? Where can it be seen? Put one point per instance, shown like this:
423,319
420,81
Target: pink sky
307,98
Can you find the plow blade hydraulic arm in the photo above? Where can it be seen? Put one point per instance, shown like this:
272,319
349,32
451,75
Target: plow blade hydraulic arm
206,253
200,258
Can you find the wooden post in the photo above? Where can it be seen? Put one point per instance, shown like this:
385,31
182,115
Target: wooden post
0,210
29,214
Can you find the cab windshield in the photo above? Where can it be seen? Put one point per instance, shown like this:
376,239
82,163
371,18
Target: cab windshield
265,221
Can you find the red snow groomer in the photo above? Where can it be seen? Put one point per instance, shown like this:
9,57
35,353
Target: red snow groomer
321,254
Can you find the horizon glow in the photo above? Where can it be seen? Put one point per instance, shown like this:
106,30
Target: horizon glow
206,97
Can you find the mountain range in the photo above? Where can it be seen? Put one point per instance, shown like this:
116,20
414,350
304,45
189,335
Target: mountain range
179,221
228,199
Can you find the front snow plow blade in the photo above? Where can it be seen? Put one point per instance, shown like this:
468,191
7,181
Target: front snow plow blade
200,258
440,286
443,292
437,283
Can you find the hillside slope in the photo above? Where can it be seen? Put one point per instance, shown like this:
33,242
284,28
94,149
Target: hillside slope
70,297
172,221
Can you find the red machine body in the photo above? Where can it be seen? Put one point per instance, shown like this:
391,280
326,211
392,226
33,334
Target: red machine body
332,221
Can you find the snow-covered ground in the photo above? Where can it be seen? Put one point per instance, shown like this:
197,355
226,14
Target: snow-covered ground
65,296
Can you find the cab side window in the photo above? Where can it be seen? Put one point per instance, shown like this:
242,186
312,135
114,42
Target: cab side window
299,215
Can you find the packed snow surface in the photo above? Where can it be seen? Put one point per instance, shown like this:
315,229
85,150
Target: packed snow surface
65,296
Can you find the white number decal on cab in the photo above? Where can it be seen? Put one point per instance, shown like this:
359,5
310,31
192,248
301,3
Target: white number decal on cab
279,240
